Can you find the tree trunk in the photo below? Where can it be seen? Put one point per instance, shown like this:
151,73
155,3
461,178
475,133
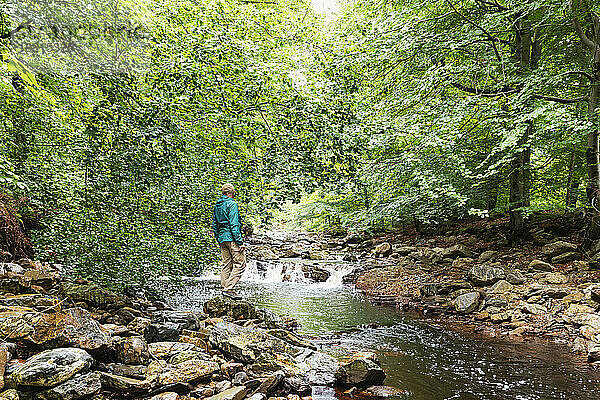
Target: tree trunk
591,152
572,184
520,181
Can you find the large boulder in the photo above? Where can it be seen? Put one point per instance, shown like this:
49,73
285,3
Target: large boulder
383,249
557,248
52,367
189,371
34,300
184,319
485,275
164,350
234,393
124,384
79,387
132,350
72,327
222,306
456,251
363,370
539,265
303,367
91,294
162,332
468,302
315,273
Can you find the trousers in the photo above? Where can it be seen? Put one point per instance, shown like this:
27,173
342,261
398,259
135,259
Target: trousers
233,263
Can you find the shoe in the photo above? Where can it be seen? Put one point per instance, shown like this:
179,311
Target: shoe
231,294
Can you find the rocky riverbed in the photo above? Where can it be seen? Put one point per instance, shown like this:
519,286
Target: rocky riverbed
68,340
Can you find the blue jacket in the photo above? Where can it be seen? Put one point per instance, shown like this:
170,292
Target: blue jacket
226,221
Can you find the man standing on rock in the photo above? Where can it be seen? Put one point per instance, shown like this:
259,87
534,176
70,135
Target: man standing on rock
226,227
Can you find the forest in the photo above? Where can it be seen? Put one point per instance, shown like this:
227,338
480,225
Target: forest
120,119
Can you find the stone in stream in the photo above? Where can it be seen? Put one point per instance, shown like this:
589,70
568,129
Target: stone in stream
190,371
486,256
10,394
467,303
165,396
221,306
291,338
593,352
383,249
557,248
516,277
75,388
315,273
303,367
166,350
36,301
124,384
52,367
554,278
162,332
269,384
385,392
91,294
565,257
184,319
456,251
535,309
129,371
363,370
501,286
485,275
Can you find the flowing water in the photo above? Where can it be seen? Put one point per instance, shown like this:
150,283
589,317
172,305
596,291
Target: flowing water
420,356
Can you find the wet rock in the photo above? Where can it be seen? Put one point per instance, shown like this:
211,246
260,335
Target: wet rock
129,371
385,392
138,325
315,273
579,308
185,319
240,378
258,396
269,384
350,257
235,393
162,332
557,248
515,278
547,291
5,356
353,238
501,286
124,384
487,256
595,293
164,350
593,352
52,367
405,250
36,301
75,388
532,308
223,386
274,321
363,370
165,396
383,249
237,309
485,275
501,316
303,367
132,350
539,265
554,278
591,319
315,255
291,338
467,303
40,278
115,330
187,355
566,257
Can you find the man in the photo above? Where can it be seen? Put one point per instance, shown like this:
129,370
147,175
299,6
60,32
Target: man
226,227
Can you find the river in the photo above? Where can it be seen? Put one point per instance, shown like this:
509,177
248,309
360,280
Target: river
420,356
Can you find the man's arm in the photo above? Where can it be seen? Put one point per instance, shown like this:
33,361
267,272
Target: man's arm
234,219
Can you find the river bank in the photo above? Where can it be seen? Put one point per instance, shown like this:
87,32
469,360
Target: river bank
68,340
470,279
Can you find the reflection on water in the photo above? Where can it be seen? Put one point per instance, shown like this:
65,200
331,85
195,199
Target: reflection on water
427,360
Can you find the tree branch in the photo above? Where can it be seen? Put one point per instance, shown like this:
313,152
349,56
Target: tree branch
484,92
578,28
10,34
586,74
561,100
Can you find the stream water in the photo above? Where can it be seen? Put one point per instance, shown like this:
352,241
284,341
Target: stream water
420,356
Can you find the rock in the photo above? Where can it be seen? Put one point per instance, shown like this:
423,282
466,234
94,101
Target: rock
36,301
190,371
565,257
165,396
124,384
579,308
185,319
593,352
164,350
532,308
162,332
11,267
91,294
291,338
235,393
138,325
501,316
539,265
52,367
41,278
269,384
315,273
548,291
363,370
303,367
557,248
73,327
5,356
467,303
129,371
75,388
383,249
132,350
223,386
485,275
384,392
258,396
10,394
595,293
315,255
349,257
554,278
237,309
591,319
240,378
456,251
353,238
515,277
405,250
501,286
487,256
